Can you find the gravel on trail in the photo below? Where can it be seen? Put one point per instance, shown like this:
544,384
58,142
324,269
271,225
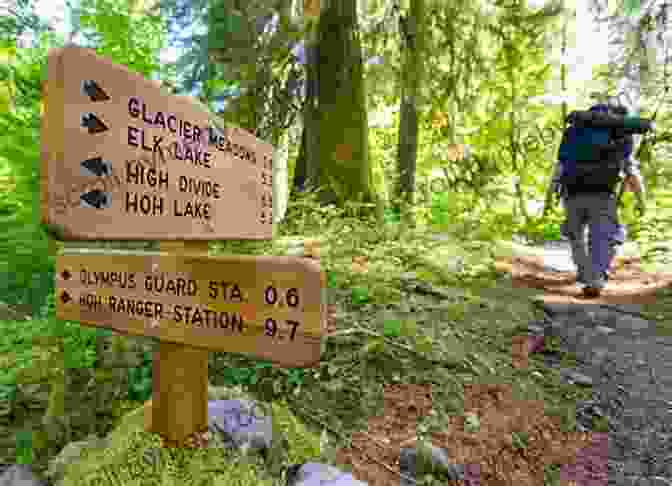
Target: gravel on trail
619,354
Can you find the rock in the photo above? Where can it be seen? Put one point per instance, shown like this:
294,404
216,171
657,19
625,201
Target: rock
535,344
577,378
316,474
633,481
240,424
71,453
426,458
20,475
536,330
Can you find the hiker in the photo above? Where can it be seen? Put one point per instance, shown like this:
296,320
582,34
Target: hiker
591,162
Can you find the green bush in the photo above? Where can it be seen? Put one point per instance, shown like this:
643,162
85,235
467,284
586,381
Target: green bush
26,267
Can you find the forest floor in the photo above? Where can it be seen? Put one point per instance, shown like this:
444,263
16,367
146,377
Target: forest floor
445,357
517,442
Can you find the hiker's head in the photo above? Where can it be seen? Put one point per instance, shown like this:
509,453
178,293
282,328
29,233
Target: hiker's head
616,106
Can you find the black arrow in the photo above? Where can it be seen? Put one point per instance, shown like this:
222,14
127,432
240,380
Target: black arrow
93,123
65,298
94,91
96,166
95,198
66,275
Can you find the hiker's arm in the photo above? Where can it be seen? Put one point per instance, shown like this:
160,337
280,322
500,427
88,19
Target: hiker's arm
555,187
557,172
633,179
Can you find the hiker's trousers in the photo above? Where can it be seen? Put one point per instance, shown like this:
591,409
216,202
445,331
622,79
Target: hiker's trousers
599,213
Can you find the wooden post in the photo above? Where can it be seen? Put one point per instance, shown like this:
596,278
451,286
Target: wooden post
180,377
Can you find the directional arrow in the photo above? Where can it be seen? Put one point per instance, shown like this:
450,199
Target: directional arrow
66,275
95,198
65,298
94,91
93,123
96,166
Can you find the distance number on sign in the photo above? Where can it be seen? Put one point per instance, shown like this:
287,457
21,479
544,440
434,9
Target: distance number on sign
291,296
271,328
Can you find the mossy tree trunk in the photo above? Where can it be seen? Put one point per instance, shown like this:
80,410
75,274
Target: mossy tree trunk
342,165
411,29
305,169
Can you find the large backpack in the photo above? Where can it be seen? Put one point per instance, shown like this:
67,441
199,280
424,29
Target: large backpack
592,158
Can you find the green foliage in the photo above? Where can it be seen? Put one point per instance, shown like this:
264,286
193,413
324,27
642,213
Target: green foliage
24,447
538,230
392,328
130,38
360,295
140,380
25,265
244,376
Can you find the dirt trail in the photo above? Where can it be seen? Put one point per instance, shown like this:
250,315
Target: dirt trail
628,283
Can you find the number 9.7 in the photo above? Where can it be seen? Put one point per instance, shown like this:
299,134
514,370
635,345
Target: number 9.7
271,328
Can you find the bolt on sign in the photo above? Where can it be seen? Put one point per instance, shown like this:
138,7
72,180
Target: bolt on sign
268,307
122,160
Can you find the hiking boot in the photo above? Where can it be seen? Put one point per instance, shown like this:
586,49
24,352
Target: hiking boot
591,292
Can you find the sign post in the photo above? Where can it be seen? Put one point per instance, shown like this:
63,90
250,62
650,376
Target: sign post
123,160
179,377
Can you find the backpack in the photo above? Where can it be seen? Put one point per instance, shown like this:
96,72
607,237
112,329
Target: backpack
592,157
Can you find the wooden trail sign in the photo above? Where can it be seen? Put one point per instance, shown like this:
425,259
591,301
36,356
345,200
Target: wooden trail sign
122,160
271,308
268,307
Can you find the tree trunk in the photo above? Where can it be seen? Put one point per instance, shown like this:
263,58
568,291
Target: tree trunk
632,82
520,197
563,112
299,180
280,178
563,87
411,27
307,162
343,171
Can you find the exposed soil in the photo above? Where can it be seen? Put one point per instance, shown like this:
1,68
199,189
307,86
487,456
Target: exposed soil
494,452
495,449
